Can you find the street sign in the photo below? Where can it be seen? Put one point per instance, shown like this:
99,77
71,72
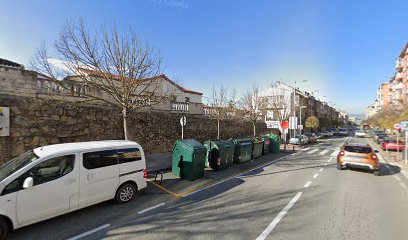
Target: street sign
4,121
300,127
397,126
183,121
404,125
272,124
285,124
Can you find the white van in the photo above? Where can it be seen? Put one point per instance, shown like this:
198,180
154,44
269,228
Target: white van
57,179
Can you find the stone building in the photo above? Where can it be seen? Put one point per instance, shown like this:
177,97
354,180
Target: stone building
16,80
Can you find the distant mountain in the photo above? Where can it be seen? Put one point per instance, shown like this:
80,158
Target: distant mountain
357,115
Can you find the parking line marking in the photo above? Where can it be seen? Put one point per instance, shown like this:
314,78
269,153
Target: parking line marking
305,149
321,170
307,184
90,232
403,185
326,164
151,208
277,219
313,151
324,152
315,176
398,178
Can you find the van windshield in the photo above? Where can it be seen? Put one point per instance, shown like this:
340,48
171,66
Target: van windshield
16,164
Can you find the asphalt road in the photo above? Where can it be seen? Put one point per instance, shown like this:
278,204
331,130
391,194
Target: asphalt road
302,196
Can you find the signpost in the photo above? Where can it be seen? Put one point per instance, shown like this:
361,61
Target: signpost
404,127
398,128
4,121
183,122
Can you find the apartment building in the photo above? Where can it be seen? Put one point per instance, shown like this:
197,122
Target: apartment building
286,101
394,92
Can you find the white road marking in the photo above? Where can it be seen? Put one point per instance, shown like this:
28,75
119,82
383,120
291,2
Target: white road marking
277,219
90,232
151,208
398,178
305,149
403,185
315,176
313,151
326,164
329,160
321,170
335,153
307,184
324,152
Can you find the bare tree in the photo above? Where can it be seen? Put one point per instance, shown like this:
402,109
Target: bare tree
252,104
112,67
219,105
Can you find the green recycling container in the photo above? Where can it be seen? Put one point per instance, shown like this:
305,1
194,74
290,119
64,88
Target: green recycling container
220,154
188,159
274,143
257,148
266,144
243,150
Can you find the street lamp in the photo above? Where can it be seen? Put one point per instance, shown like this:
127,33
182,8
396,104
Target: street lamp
300,118
294,102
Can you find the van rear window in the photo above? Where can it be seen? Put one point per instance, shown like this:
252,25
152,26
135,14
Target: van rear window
100,159
357,149
129,155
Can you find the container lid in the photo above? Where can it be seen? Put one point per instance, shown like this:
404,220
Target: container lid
192,143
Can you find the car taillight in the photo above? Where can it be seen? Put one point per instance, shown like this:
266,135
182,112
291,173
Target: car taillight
341,153
374,156
145,173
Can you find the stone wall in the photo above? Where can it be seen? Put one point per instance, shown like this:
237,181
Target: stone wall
36,122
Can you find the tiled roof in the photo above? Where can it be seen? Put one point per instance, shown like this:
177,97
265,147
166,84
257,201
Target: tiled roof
8,63
93,72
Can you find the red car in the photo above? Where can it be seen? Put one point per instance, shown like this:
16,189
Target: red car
391,144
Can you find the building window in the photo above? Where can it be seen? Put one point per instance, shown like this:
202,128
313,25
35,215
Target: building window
187,100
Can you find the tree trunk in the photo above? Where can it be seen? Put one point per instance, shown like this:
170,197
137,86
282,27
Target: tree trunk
125,127
254,125
218,129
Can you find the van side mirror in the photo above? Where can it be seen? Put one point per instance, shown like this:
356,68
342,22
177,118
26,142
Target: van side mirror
28,182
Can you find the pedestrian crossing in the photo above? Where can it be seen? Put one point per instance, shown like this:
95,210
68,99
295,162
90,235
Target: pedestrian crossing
320,151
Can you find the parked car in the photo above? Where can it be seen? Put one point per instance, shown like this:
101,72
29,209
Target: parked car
295,140
327,134
343,132
334,131
381,138
360,133
56,179
376,135
391,144
357,155
311,137
319,135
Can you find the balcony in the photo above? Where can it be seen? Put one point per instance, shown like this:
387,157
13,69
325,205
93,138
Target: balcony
398,76
399,86
179,106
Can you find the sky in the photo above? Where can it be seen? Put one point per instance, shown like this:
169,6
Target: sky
343,48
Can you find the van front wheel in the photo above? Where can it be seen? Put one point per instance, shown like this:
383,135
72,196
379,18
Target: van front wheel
4,228
125,193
